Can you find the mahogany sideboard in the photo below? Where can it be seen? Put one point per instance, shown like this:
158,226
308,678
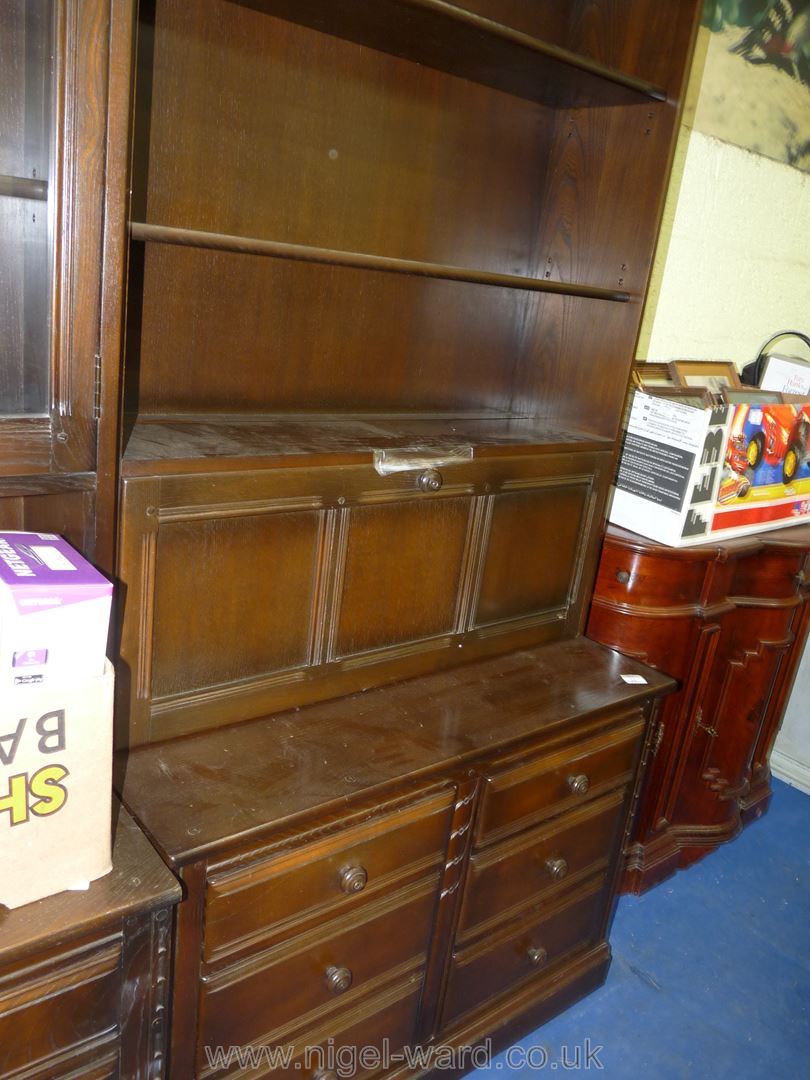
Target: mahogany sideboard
728,620
84,987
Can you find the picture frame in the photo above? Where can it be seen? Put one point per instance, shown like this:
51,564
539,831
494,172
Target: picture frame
711,374
697,396
650,374
751,396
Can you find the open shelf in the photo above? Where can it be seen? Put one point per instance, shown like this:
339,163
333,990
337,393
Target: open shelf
162,234
442,35
165,444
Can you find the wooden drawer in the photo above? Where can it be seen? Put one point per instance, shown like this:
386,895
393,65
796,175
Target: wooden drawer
658,578
488,969
504,878
286,891
74,997
290,984
354,1041
517,795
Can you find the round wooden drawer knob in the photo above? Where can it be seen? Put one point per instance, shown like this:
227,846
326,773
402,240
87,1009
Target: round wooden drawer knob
353,879
579,784
537,956
338,979
429,480
558,868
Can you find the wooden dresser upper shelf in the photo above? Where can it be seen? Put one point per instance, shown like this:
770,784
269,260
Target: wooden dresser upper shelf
461,42
357,260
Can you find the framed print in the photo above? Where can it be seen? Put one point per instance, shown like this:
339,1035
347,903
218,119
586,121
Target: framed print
751,396
711,374
647,374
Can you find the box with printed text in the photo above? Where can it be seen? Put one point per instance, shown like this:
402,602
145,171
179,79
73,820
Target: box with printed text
694,475
54,611
55,786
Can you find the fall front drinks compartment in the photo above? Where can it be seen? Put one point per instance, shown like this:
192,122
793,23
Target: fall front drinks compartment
306,583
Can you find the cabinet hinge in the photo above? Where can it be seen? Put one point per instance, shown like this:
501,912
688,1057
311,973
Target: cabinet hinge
97,388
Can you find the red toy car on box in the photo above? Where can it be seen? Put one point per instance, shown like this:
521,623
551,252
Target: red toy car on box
778,441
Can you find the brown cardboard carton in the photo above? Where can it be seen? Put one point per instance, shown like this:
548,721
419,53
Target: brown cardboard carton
55,786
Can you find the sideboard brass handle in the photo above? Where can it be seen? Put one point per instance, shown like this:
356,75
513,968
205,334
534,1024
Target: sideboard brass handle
558,868
579,784
800,578
338,979
537,956
353,879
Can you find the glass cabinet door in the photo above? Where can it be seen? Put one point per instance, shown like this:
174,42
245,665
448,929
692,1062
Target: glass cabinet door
26,211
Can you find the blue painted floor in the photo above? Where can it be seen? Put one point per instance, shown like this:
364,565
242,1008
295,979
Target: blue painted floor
711,970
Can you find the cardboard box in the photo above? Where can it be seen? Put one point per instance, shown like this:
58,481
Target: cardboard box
54,611
689,476
55,786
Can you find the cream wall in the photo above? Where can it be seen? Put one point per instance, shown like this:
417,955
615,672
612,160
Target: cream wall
737,266
733,267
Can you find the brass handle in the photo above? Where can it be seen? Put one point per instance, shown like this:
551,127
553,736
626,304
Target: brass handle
558,868
579,784
338,979
429,480
623,576
712,732
537,956
324,1074
800,578
353,879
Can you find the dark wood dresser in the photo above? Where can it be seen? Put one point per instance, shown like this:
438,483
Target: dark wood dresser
432,862
84,976
338,407
729,621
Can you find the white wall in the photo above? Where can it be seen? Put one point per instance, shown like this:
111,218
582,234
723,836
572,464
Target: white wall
733,267
738,262
790,759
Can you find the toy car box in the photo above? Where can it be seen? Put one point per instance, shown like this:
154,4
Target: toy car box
54,611
693,475
55,785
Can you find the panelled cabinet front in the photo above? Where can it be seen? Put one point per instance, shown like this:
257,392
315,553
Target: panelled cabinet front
729,621
252,591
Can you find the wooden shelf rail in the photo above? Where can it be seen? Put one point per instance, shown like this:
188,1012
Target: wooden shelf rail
23,187
274,249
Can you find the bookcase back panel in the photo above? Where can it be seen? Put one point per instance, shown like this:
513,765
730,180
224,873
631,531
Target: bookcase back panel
252,591
242,333
338,146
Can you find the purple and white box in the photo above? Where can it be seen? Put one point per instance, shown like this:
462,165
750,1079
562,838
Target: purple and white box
54,611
